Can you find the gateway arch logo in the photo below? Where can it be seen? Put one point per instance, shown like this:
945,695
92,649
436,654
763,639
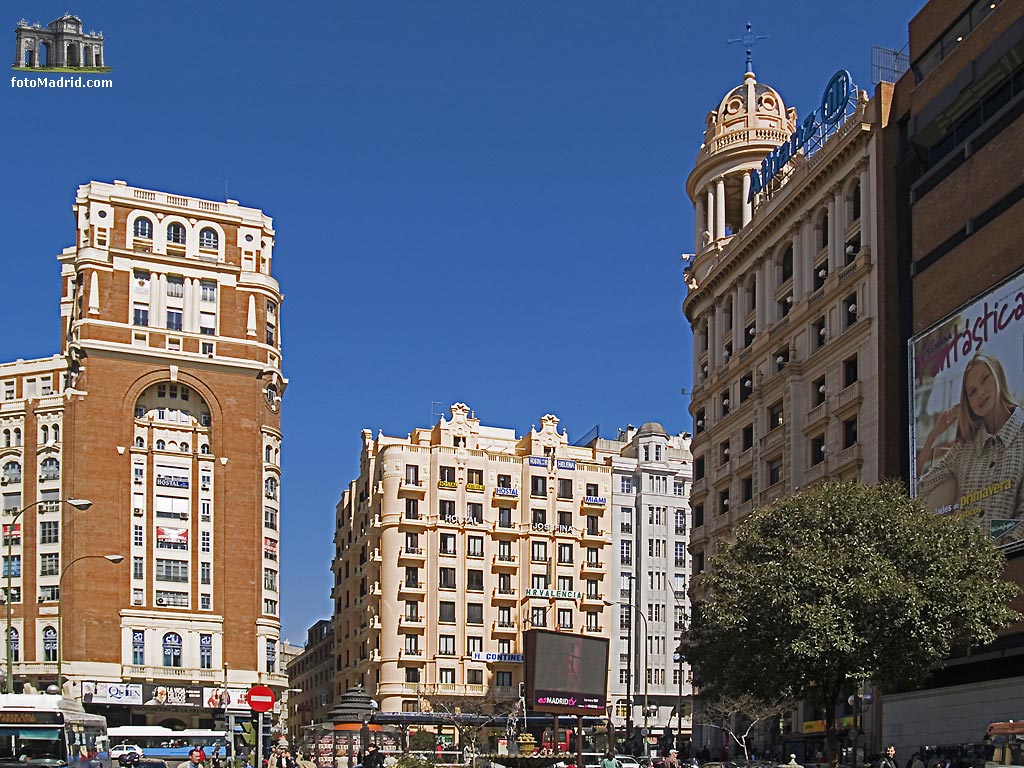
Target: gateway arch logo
60,46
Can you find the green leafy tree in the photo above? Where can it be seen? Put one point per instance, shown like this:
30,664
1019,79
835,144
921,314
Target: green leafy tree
840,583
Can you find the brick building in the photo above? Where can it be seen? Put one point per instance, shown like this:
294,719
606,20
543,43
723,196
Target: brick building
162,410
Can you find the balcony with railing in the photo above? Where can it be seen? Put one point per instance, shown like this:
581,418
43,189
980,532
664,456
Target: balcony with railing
595,536
505,561
504,595
594,503
411,588
506,529
412,554
148,672
412,488
506,495
504,628
414,520
591,565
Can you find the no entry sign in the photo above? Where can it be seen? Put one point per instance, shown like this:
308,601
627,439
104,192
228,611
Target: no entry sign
261,698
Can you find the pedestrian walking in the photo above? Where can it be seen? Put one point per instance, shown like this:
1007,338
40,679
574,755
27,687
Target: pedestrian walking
195,759
888,760
373,758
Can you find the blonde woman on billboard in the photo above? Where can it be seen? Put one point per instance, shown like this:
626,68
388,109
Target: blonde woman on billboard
982,469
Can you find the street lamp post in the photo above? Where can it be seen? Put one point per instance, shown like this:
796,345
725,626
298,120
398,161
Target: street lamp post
629,667
80,504
60,614
679,700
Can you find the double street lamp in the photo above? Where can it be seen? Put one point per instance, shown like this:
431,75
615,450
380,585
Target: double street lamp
115,559
647,666
80,504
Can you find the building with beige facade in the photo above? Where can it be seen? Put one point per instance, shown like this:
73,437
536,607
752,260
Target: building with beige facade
451,543
456,539
163,411
648,685
788,306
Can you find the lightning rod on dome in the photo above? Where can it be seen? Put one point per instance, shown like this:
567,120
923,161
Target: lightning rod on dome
749,40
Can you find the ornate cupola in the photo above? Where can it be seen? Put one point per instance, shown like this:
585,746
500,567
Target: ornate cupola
750,122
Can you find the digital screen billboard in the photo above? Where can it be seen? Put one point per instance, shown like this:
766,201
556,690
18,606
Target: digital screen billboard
565,672
967,424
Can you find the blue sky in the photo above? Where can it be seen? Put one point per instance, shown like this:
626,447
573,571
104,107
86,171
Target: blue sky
475,200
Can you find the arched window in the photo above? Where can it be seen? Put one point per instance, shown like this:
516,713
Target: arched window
139,442
7,438
17,436
144,228
56,433
49,469
161,445
172,649
208,238
270,488
204,449
15,645
49,644
269,454
175,233
183,447
44,434
12,472
855,201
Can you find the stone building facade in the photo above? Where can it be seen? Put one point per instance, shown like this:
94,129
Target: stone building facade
788,311
311,681
163,410
61,43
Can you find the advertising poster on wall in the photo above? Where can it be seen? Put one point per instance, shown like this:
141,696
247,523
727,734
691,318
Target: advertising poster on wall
967,422
172,695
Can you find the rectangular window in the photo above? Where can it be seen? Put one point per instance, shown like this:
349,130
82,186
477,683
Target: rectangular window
172,570
138,537
538,517
49,564
565,554
475,546
626,552
50,593
538,617
474,613
446,612
446,645
270,607
446,474
174,319
775,415
138,647
270,518
626,484
538,485
849,371
204,541
475,513
539,551
208,291
474,677
774,471
175,286
474,645
447,543
206,651
49,532
138,568
206,574
565,618
564,488
504,517
447,676
817,449
208,323
446,578
565,583
474,580
475,477
850,432
172,599
140,316
503,679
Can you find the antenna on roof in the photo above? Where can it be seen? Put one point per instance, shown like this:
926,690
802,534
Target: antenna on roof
436,410
749,40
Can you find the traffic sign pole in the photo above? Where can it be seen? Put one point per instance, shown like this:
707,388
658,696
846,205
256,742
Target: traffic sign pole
259,741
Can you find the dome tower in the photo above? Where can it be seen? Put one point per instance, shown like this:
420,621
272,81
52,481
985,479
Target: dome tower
750,122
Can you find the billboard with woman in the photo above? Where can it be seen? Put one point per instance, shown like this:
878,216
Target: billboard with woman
967,423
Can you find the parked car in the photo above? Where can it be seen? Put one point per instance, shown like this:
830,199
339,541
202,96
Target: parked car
124,749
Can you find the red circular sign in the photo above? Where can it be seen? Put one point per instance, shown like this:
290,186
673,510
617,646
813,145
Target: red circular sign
261,698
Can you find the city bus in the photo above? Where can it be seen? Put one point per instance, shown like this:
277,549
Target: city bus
164,743
48,730
1003,743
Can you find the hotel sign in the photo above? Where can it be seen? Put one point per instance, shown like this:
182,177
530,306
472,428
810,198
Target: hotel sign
172,481
506,492
515,658
558,594
839,94
538,461
566,464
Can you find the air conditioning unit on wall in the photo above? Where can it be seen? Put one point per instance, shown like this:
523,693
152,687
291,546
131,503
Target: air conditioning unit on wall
161,601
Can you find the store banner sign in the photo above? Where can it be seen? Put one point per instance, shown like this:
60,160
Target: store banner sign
111,693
